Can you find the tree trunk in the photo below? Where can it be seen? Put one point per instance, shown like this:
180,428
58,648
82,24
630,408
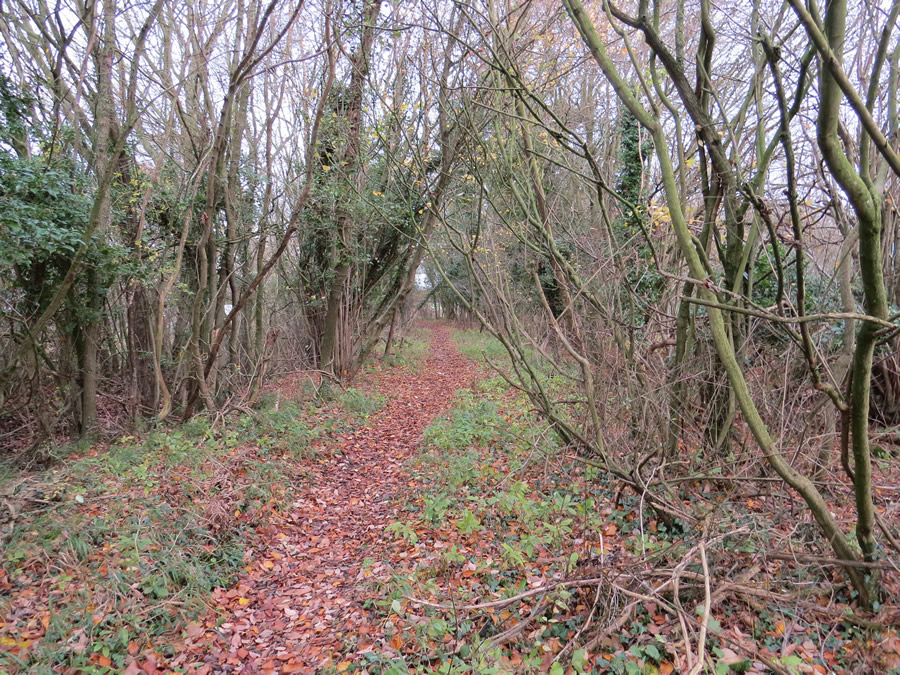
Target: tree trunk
359,63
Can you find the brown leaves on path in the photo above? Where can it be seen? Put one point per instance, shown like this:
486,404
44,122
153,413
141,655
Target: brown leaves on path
300,599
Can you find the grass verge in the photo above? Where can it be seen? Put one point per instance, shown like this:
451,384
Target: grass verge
112,553
500,510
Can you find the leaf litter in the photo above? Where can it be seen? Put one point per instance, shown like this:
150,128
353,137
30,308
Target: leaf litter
299,602
377,550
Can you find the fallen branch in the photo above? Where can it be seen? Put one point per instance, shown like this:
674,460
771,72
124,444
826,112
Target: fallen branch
834,562
510,633
503,602
704,624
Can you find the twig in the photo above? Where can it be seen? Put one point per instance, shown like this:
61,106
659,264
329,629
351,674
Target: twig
887,533
806,318
615,626
811,607
676,579
503,602
802,557
502,638
583,627
701,642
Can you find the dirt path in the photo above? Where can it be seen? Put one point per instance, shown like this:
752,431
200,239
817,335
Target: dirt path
299,601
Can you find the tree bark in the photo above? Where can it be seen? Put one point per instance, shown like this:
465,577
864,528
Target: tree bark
342,246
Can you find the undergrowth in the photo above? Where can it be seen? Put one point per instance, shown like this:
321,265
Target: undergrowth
360,405
411,354
502,509
478,345
114,550
125,544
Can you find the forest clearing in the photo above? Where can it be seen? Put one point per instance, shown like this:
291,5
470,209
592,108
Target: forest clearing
468,336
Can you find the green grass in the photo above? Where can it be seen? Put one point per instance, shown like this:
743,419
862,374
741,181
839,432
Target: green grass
126,542
282,429
7,472
479,346
117,547
411,354
480,491
360,405
131,542
473,420
476,346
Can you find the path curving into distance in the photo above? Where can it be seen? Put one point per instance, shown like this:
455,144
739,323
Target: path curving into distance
301,600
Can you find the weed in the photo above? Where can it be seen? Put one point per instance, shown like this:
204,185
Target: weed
196,428
478,345
472,421
359,404
7,472
436,507
468,523
281,430
136,537
411,354
403,531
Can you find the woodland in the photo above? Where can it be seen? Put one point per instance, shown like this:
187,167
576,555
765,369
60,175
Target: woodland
477,336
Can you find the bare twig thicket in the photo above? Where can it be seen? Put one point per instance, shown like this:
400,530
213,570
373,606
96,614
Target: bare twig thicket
679,219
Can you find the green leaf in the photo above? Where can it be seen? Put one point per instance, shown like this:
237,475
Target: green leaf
652,652
791,660
578,660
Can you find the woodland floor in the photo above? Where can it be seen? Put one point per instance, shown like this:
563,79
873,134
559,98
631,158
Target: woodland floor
300,598
424,520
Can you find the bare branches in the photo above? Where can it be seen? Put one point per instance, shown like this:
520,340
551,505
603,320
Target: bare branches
833,64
